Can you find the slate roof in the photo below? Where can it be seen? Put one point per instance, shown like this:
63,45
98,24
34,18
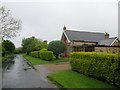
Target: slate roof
107,42
84,36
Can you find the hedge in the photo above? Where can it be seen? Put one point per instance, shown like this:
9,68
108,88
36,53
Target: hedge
46,55
103,66
42,54
34,54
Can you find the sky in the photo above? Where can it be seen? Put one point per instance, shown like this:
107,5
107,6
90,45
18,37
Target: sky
45,19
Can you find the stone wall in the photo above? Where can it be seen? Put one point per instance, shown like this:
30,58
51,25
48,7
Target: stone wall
108,49
116,44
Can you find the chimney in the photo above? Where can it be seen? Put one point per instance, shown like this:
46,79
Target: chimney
64,28
106,35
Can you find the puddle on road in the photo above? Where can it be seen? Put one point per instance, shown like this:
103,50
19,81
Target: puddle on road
25,69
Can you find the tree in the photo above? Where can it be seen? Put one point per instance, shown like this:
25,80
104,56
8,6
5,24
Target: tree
57,47
9,26
32,44
7,47
28,44
18,50
3,51
40,45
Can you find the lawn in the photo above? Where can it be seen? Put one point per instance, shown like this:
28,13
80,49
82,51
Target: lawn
37,61
71,79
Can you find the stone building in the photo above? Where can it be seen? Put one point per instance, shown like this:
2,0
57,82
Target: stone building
76,41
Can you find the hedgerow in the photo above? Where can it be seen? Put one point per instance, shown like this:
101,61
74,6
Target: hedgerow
46,55
102,66
34,54
43,54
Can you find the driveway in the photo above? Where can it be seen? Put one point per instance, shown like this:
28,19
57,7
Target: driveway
47,69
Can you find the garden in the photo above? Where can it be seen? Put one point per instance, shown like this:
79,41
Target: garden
90,70
72,79
37,61
39,52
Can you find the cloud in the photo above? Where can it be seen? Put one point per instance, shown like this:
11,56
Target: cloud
45,20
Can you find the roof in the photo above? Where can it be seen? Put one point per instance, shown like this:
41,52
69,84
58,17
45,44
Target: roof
84,36
107,42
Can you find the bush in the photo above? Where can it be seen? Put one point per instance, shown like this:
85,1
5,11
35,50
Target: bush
57,47
43,54
102,66
46,55
34,54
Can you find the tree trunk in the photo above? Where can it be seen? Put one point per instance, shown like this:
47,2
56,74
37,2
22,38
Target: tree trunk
27,53
57,56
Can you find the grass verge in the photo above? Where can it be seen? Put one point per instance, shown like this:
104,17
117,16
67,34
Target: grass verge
71,79
37,61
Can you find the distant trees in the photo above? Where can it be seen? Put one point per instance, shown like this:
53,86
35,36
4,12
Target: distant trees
18,50
28,44
7,47
57,47
40,45
9,25
32,44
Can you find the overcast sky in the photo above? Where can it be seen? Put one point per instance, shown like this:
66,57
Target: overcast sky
45,20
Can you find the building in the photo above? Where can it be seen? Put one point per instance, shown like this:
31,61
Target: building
76,41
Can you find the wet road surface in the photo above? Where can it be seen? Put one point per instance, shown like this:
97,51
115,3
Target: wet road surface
19,74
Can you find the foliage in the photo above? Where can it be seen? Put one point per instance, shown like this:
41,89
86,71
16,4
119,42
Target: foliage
28,44
43,54
57,47
3,51
102,66
8,47
35,54
18,50
46,55
70,79
32,44
9,25
40,45
37,61
7,58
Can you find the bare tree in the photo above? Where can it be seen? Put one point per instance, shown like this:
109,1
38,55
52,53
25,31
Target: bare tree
9,26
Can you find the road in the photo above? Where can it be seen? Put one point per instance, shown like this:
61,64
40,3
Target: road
19,74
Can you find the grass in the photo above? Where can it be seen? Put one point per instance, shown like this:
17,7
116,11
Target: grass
71,79
60,60
37,61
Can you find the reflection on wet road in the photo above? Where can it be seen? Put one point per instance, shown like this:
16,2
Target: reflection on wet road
19,74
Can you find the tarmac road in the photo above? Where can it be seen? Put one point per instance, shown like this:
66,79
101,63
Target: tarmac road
19,74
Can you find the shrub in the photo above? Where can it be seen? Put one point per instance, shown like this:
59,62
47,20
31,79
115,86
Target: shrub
102,66
57,47
34,54
46,55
